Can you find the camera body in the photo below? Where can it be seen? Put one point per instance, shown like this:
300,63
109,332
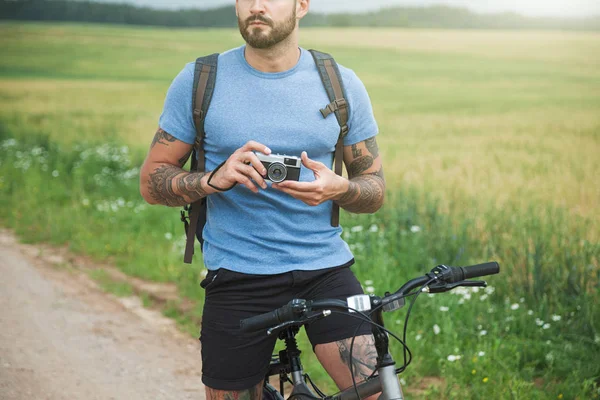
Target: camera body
281,167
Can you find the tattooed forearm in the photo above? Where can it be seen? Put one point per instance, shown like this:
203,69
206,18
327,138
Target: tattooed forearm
365,193
162,137
173,187
363,357
360,165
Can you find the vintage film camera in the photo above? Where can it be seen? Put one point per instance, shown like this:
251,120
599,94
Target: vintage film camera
280,167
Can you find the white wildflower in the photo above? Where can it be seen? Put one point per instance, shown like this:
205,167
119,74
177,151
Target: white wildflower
549,357
37,151
418,337
514,306
453,357
481,353
479,327
530,312
436,329
121,202
369,282
415,229
556,318
55,173
489,290
509,319
370,289
374,228
597,339
168,236
539,322
483,297
356,229
444,309
402,382
546,326
85,202
548,342
482,332
522,299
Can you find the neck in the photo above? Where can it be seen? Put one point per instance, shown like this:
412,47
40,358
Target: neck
279,58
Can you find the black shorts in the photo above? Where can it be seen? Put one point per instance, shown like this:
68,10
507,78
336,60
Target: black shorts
235,360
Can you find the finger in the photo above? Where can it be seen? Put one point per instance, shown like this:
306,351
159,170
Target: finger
310,164
255,146
253,159
304,197
245,181
298,186
251,173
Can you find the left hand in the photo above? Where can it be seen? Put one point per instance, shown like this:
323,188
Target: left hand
326,186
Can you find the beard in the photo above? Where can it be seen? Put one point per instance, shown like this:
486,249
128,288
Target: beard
255,37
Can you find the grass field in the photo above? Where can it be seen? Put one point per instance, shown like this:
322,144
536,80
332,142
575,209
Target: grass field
491,146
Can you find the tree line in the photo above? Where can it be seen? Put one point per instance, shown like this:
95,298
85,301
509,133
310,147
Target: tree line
400,17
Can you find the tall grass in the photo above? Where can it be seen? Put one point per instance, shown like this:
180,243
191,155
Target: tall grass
490,153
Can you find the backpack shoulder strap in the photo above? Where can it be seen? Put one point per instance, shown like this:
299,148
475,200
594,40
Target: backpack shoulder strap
205,76
334,86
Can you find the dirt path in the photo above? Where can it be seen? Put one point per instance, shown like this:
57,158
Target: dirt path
61,337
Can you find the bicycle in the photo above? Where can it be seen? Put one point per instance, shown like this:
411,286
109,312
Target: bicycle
287,320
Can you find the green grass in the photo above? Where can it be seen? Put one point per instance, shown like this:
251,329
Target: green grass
108,284
490,143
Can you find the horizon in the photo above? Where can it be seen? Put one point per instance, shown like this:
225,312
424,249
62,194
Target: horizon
529,8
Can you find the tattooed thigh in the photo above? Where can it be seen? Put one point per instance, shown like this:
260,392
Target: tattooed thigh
336,359
254,393
363,357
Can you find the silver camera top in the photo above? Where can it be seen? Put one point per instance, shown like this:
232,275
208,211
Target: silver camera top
288,161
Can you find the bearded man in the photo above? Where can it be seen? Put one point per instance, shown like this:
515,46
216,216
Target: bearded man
267,243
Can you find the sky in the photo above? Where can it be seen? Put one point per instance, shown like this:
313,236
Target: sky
553,8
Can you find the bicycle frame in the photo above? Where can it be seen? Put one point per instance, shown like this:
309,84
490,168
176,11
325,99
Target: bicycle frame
385,382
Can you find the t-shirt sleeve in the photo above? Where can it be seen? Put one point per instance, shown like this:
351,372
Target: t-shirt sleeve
176,118
362,124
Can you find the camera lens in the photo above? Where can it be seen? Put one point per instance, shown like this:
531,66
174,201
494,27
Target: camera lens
277,172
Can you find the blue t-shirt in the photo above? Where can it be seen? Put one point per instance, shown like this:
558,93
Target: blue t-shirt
269,232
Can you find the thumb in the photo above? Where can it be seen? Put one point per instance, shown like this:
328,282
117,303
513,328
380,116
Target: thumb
308,163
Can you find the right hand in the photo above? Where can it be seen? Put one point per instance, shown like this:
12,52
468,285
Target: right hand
243,167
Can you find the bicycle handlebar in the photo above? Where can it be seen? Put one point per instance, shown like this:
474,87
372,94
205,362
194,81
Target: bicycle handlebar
295,308
474,271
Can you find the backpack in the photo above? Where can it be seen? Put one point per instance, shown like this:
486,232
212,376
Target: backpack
205,74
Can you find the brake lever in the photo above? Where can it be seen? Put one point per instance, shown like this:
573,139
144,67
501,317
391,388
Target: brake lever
312,316
441,288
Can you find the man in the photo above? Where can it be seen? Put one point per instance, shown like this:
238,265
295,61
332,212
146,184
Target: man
268,243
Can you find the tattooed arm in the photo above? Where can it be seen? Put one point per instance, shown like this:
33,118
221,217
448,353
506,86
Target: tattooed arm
366,185
162,179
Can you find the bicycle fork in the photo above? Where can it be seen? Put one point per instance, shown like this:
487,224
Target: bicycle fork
386,366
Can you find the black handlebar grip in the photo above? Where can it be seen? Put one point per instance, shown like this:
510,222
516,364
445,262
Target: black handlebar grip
267,320
474,271
261,321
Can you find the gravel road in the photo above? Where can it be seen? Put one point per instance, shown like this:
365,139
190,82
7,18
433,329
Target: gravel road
63,338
